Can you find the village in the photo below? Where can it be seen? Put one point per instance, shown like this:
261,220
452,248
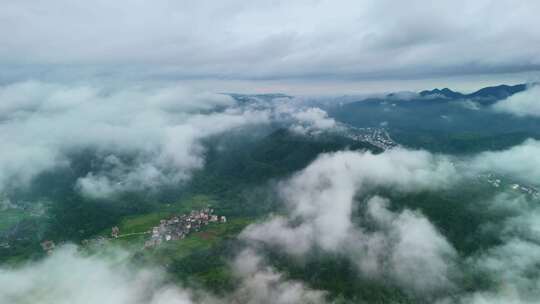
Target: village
178,227
497,181
174,228
378,137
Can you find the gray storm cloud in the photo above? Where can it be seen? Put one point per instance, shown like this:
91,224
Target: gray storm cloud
271,39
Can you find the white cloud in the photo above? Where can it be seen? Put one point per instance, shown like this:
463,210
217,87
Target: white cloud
522,162
526,103
42,123
512,265
141,136
312,120
303,119
409,247
321,200
69,276
404,246
262,284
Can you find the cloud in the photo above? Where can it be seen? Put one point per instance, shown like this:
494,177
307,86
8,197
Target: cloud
470,105
272,39
522,162
403,95
526,103
512,265
262,284
321,200
310,120
408,247
70,276
159,128
138,137
330,206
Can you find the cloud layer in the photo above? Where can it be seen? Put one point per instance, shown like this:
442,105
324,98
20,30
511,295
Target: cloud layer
270,39
67,277
138,137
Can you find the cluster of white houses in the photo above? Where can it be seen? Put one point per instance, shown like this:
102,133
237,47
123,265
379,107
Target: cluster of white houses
378,137
178,227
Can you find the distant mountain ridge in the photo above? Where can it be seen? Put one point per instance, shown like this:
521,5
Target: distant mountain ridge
484,96
446,92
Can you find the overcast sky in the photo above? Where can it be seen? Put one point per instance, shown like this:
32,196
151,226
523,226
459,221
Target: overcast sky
289,46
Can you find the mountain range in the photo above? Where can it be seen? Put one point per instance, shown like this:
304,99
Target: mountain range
485,96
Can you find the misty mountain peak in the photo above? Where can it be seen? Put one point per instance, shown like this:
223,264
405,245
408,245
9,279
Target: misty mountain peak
444,93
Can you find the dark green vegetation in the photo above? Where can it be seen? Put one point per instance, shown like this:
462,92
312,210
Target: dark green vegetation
340,277
484,96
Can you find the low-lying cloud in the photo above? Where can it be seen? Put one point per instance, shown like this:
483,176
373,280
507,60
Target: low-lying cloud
329,204
322,199
41,123
262,284
526,103
521,162
304,120
512,265
141,137
69,276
